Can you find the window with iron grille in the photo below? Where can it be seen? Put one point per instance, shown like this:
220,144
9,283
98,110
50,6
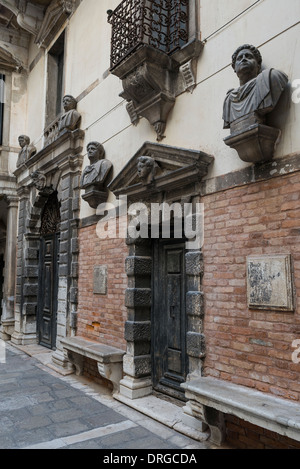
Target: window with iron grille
162,24
2,90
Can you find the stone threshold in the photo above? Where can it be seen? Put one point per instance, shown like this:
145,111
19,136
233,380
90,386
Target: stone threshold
167,413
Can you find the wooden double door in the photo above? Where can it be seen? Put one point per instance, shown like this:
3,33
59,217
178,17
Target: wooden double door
48,290
169,358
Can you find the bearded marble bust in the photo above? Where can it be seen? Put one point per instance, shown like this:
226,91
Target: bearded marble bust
259,91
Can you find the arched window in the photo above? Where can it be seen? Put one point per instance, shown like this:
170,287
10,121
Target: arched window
50,222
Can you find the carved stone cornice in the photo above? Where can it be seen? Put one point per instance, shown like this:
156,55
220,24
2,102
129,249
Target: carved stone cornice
29,15
9,62
42,20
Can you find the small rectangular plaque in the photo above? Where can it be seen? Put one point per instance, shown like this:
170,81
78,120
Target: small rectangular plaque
269,282
100,280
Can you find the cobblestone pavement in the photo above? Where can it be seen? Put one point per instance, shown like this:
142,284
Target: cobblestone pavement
40,409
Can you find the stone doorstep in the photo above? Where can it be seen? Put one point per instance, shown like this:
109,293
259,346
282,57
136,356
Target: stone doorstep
264,410
36,351
164,412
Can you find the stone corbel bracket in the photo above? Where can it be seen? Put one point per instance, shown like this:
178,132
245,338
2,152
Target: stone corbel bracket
255,144
152,79
187,58
95,195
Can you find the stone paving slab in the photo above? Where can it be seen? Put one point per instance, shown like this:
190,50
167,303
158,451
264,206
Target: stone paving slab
40,409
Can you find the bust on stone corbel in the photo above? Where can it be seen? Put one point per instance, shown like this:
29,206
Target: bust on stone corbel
70,119
246,107
94,177
26,152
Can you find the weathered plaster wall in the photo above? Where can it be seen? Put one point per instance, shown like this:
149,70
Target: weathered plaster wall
196,120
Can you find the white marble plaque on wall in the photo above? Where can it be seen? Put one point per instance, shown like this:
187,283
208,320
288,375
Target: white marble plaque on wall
100,280
269,282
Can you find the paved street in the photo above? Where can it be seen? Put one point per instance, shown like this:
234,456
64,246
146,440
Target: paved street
40,409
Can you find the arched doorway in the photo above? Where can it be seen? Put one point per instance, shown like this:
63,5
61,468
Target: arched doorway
48,273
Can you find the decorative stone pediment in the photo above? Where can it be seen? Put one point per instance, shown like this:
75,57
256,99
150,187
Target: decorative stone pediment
43,18
56,14
157,168
9,62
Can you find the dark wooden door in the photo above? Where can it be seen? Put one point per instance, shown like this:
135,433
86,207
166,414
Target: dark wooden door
168,318
48,290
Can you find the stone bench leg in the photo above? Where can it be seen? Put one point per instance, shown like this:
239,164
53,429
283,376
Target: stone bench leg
76,360
113,372
216,423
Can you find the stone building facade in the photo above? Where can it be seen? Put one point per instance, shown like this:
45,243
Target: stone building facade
101,127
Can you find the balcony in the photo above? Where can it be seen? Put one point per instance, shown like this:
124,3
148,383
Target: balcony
154,48
163,25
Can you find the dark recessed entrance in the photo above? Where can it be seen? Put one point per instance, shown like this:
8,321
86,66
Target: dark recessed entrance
48,273
169,359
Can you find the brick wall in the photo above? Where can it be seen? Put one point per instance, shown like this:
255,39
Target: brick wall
90,371
251,347
102,317
244,435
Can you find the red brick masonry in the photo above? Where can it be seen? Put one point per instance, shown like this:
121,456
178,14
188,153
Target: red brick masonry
102,317
251,347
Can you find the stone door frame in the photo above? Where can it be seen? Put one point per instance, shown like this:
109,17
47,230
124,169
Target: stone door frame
59,164
177,180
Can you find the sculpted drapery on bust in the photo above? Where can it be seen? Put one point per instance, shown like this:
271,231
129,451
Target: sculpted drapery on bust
97,172
27,150
259,91
70,118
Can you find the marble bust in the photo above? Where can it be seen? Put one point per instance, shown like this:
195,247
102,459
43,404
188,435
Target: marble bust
27,150
99,168
70,118
259,91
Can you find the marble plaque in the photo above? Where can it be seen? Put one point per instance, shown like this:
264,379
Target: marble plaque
100,280
269,282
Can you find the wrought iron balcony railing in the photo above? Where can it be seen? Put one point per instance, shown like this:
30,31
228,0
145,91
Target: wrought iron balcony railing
162,24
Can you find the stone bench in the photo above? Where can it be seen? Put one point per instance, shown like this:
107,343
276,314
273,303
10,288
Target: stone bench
210,398
109,359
